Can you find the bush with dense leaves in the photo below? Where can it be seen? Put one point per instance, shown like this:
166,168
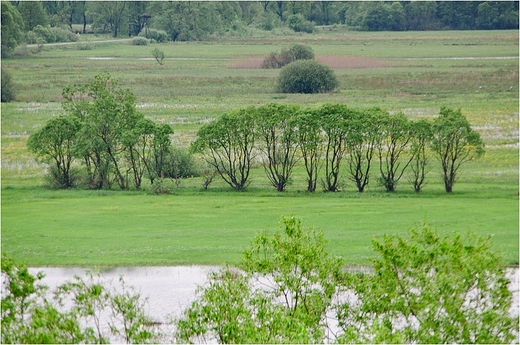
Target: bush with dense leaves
306,76
139,41
299,24
8,90
160,36
181,164
39,35
63,35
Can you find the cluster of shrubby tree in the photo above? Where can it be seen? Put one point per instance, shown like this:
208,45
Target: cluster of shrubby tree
424,288
306,76
330,137
198,20
114,142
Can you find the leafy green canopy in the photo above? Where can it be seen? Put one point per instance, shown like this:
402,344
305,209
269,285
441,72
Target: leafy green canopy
306,76
454,142
12,28
280,293
426,288
55,143
275,127
334,135
228,143
431,289
105,131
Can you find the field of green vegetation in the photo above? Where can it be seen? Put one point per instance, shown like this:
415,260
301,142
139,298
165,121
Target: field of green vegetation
412,72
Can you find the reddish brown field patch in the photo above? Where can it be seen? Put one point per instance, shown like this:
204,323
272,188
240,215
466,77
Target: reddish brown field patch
248,62
333,61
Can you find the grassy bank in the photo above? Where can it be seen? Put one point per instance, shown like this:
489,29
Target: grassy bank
412,72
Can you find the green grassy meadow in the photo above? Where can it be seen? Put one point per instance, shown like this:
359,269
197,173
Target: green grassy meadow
412,72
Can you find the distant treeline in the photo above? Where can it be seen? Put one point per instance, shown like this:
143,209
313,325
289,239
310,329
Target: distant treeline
197,20
432,15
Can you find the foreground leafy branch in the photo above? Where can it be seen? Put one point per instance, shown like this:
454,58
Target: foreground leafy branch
425,288
75,313
431,289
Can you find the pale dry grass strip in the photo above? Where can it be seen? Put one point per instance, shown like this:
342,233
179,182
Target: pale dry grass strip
333,61
339,61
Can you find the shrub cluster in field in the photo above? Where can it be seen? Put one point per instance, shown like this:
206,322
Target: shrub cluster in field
41,35
287,288
158,36
331,136
114,142
288,55
300,73
306,76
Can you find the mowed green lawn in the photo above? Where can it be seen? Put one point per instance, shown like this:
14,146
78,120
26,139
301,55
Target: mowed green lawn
410,72
190,226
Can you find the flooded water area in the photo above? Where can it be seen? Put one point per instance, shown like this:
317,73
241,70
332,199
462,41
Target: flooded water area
170,290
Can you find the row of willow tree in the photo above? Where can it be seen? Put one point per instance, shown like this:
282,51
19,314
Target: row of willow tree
105,135
104,130
331,136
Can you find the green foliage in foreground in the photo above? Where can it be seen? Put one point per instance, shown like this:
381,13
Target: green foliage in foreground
427,288
30,317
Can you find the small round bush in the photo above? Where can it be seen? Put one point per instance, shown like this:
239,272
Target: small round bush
306,76
139,41
181,164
